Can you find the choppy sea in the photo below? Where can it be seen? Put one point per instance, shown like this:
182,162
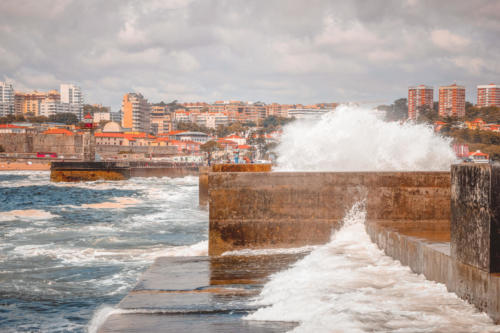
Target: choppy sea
68,251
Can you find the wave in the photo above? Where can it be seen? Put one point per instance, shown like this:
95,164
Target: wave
349,285
26,214
353,138
270,252
117,203
80,256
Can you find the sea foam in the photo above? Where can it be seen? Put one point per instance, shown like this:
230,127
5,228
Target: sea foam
353,138
349,285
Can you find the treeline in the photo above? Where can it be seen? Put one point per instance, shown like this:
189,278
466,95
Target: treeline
65,118
398,111
485,141
268,125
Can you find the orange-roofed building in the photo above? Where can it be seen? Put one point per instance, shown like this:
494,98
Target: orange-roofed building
58,131
9,129
236,138
477,123
185,146
479,157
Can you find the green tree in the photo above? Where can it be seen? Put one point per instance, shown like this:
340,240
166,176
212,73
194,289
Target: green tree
210,146
67,118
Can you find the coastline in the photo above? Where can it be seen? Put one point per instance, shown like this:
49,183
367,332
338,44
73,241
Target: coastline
24,166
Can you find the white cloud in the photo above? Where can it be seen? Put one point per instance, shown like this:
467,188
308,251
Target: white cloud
449,41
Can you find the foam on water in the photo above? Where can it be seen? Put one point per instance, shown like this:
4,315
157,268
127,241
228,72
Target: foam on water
68,249
349,285
26,214
354,138
270,252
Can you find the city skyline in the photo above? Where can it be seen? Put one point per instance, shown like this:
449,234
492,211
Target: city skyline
206,51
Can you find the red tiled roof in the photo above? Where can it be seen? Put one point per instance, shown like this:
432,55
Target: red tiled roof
88,116
244,147
11,126
58,131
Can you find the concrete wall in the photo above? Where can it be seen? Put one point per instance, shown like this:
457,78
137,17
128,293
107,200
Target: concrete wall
281,209
475,223
87,171
433,260
164,172
32,143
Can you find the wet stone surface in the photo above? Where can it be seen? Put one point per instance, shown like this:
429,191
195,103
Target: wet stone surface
199,294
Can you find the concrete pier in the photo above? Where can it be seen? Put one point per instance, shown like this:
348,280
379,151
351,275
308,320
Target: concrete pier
204,171
442,225
91,171
198,294
292,209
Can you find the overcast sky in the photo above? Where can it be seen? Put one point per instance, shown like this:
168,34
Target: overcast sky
282,51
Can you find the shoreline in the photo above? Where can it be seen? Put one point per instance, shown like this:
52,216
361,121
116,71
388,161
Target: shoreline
24,166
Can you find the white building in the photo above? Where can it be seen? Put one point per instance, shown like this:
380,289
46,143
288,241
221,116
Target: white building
72,99
50,107
101,116
215,119
307,113
6,99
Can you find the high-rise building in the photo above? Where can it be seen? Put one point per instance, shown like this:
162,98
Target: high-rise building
418,97
6,99
488,95
452,101
72,99
136,113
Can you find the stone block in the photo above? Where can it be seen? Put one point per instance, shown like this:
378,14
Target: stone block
475,215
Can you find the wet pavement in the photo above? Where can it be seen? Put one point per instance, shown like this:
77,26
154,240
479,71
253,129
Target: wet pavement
203,294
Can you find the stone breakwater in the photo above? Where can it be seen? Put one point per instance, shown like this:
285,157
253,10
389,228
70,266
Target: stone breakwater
292,209
443,225
91,171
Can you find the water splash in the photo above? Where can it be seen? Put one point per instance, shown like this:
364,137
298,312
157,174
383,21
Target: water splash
349,285
353,138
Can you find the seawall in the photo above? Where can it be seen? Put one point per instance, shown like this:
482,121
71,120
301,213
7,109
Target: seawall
90,171
285,209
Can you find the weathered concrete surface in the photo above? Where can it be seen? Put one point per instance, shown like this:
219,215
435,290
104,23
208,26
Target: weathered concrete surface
475,207
203,181
284,209
32,143
198,294
425,248
87,171
175,172
203,186
241,167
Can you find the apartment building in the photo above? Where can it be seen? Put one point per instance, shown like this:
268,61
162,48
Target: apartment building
488,95
452,101
72,99
136,113
418,97
6,99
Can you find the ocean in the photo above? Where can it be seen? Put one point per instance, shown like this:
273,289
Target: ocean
70,251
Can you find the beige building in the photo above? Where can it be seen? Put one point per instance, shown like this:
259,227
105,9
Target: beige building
136,113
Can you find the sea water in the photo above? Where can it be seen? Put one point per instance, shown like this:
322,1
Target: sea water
69,252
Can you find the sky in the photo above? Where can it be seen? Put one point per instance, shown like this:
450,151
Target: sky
284,51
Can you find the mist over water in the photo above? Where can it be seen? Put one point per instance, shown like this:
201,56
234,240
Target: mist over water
354,138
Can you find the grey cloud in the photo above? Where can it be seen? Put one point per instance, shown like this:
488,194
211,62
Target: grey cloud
283,51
